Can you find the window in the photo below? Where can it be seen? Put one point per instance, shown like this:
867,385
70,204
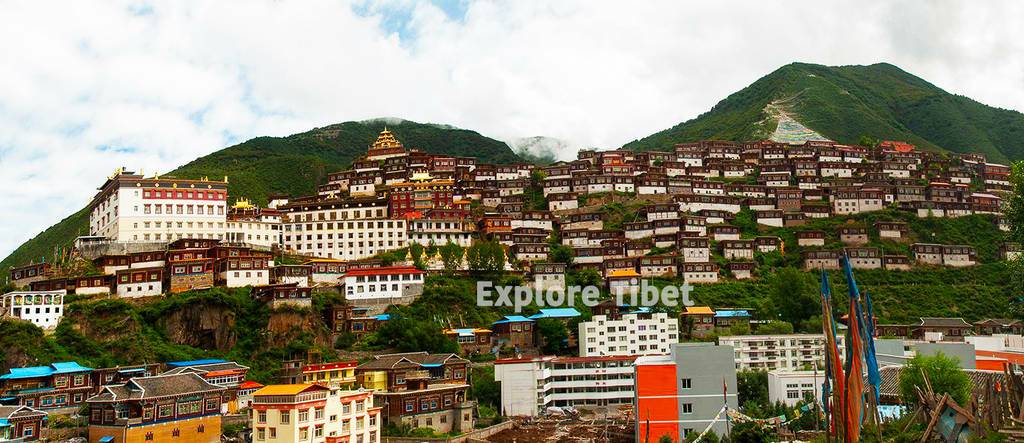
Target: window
286,417
261,417
686,383
687,408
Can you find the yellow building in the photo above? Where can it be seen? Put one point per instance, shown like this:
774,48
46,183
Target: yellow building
340,374
313,413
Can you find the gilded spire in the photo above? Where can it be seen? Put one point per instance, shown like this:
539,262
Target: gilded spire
386,140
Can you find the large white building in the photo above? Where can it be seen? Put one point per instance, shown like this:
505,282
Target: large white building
530,385
789,387
42,308
382,284
440,231
253,226
638,333
770,352
347,229
132,208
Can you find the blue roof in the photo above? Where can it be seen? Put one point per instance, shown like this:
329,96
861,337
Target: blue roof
383,317
4,422
641,310
556,313
106,439
732,313
511,319
431,365
209,361
45,371
465,332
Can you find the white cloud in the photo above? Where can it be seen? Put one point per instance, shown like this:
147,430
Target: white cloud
159,83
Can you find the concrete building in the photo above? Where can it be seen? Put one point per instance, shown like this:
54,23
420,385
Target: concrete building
41,308
132,208
531,385
684,392
636,333
347,229
770,352
789,386
313,413
384,283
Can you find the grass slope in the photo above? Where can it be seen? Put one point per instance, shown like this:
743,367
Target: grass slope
293,165
844,103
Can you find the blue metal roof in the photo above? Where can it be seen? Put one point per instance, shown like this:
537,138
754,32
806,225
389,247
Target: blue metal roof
556,313
4,422
641,310
511,319
732,313
209,361
464,332
106,439
45,371
383,317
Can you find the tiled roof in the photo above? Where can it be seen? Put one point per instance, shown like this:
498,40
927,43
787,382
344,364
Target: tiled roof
943,321
8,412
217,366
998,321
890,388
409,360
158,386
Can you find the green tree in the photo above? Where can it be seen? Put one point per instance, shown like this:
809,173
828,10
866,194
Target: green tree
665,439
408,334
451,256
560,253
751,432
554,334
753,387
794,295
486,256
1015,207
775,327
943,373
483,387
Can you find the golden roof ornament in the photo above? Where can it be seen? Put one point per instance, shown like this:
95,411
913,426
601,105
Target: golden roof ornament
386,140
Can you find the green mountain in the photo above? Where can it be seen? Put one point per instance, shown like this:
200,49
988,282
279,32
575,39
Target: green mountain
293,165
844,103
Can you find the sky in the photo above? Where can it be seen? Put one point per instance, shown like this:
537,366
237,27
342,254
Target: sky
91,86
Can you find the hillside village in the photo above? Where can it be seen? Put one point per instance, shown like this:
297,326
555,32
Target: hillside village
376,234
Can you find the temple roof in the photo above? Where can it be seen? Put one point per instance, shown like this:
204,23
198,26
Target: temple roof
386,140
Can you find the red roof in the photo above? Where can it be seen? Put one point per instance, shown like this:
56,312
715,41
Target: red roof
250,385
566,359
384,270
330,366
898,146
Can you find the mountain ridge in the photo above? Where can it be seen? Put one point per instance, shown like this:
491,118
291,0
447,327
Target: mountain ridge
846,103
293,164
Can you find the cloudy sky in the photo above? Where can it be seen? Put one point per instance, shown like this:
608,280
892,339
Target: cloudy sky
88,86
